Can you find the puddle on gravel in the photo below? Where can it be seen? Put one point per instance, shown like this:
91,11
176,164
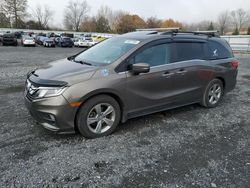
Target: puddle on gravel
12,89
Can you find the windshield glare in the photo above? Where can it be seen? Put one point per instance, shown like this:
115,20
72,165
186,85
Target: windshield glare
107,51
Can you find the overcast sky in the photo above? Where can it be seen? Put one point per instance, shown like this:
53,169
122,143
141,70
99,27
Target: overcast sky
182,10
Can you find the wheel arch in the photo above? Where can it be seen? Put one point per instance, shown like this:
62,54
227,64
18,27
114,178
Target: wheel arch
114,95
222,80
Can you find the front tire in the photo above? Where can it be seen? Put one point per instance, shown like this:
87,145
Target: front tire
98,117
213,94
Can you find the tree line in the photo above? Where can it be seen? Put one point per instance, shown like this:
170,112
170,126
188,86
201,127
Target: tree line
15,14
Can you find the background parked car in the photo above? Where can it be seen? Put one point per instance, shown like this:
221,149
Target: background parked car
75,39
86,42
1,37
28,41
70,35
49,43
18,35
41,39
37,39
65,42
9,39
49,35
79,42
98,39
57,39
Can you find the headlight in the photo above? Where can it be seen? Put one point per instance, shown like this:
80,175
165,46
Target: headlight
48,92
41,92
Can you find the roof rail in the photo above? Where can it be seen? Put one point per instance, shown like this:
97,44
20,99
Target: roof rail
207,33
159,29
213,33
176,30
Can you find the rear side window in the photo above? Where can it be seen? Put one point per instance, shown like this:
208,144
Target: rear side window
154,56
185,51
218,51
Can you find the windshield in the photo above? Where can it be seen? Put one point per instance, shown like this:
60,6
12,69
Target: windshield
28,38
66,39
108,51
88,38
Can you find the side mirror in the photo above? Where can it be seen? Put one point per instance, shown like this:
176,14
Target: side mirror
139,68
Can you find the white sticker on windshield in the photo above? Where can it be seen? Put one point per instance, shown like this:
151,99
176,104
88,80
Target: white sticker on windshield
132,42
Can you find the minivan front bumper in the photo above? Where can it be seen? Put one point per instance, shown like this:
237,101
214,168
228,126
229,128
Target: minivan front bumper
54,113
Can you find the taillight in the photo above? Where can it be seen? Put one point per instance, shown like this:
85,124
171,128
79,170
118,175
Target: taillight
235,64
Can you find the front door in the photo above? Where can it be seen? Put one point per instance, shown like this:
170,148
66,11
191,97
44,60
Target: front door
151,91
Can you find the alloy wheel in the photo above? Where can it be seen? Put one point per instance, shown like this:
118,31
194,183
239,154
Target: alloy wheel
101,118
214,94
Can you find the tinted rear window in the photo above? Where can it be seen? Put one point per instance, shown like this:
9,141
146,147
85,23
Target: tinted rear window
218,51
185,51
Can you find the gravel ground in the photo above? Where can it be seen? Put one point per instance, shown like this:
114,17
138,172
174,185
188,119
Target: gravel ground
185,147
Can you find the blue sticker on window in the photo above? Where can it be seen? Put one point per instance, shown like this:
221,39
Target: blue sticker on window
105,72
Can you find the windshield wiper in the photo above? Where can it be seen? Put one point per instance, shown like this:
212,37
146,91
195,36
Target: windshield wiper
83,63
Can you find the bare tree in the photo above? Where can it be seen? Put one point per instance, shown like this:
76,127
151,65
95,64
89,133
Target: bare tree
107,13
118,15
224,21
89,24
75,13
42,15
4,21
110,15
15,10
239,18
203,25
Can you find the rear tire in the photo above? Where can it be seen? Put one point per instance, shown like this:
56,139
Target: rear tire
98,117
213,94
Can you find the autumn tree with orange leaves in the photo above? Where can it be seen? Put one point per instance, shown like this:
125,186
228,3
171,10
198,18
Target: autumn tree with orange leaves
171,23
128,23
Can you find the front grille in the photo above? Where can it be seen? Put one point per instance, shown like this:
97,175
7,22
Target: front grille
29,96
30,90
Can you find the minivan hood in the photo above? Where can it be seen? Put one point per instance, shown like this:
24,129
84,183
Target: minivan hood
63,71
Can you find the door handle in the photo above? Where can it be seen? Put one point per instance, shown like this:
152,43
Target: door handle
168,74
181,71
